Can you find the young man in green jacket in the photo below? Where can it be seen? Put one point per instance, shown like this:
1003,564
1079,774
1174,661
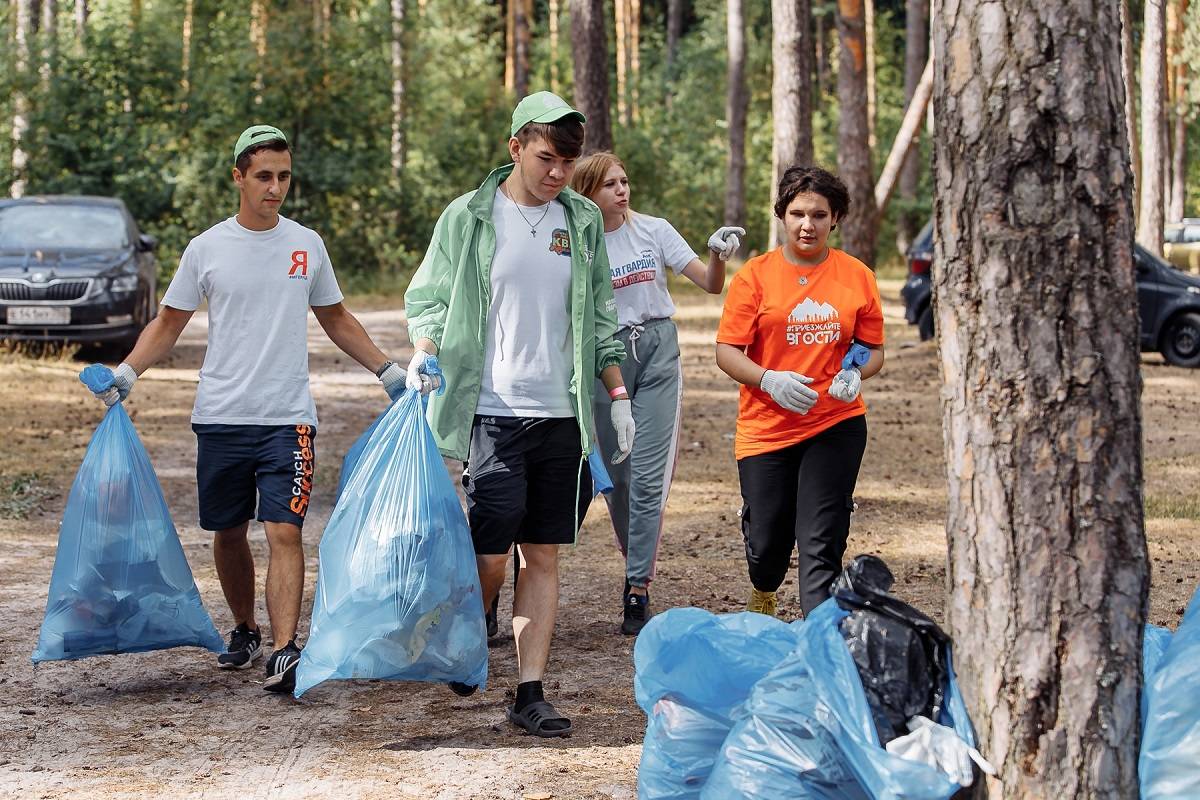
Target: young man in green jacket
515,298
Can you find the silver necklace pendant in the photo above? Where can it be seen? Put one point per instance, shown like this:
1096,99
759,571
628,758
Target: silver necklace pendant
803,281
533,231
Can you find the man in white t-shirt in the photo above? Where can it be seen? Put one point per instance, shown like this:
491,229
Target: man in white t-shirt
515,297
254,417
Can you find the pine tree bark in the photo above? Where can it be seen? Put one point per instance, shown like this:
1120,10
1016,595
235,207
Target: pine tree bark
552,23
1131,117
22,35
398,139
916,53
737,103
589,46
522,21
1178,65
1037,324
791,94
621,27
1150,188
635,55
854,151
869,28
674,32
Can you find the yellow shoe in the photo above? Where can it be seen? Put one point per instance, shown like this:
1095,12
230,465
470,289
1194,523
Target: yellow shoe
762,602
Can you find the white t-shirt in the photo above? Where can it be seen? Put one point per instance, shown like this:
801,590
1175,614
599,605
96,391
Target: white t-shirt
639,253
259,286
527,362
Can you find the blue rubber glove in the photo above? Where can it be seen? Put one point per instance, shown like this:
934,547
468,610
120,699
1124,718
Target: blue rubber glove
856,356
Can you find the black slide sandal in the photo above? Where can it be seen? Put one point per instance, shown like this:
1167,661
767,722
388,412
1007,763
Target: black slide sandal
533,718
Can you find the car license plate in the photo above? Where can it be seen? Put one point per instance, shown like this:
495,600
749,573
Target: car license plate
39,315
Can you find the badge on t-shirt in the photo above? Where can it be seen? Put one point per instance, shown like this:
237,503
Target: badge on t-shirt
560,242
299,267
813,322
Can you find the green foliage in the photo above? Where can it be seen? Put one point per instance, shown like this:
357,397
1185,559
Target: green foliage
115,117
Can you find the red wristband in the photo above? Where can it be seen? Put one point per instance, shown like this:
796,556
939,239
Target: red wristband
614,392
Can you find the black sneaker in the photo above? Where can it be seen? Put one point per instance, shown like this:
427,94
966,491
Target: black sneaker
493,627
245,647
637,613
281,669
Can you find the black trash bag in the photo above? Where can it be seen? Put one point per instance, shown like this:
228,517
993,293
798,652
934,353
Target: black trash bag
901,654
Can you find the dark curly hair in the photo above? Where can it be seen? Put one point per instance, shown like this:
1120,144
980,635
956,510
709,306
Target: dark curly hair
818,181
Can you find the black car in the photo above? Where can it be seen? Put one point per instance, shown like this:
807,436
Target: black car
74,269
1168,301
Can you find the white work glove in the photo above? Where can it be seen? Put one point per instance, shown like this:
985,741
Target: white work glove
941,748
789,390
622,422
123,378
725,242
846,385
416,377
394,380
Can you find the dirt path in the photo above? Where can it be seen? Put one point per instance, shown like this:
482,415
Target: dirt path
169,723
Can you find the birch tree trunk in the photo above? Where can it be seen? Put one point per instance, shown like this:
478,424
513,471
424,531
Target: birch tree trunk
635,55
916,53
1037,326
674,31
589,46
258,40
185,80
49,32
854,150
736,105
1178,66
22,35
791,95
81,18
398,142
553,26
1150,189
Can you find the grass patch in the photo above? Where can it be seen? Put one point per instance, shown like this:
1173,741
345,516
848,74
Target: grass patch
58,352
23,493
1175,507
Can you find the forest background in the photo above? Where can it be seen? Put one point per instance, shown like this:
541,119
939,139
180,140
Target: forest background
395,107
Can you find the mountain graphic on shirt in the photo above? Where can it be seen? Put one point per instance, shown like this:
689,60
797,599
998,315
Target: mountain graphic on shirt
812,311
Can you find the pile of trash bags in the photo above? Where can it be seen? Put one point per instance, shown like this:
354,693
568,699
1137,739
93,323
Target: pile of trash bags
857,701
1169,763
398,594
121,583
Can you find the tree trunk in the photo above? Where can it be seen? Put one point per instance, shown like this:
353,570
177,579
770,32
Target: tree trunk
821,50
869,18
1150,189
854,151
398,154
906,137
185,81
553,24
736,105
623,40
1130,76
522,20
635,55
258,40
81,18
510,46
674,31
1036,317
20,120
1178,65
49,33
589,46
916,53
791,94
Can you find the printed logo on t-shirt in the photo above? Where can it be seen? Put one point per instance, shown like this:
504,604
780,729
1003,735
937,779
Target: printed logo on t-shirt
643,269
560,242
812,322
299,269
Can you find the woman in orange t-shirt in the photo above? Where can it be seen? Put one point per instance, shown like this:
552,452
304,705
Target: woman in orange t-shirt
802,328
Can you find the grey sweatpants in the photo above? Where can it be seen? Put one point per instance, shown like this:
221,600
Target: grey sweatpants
654,379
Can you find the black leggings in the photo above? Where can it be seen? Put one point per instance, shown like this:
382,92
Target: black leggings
802,494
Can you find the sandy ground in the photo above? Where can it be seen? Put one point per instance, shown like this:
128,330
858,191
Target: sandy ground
162,723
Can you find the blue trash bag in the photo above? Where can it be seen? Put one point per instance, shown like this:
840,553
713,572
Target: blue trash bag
807,732
121,583
398,594
1155,641
601,482
693,668
1169,764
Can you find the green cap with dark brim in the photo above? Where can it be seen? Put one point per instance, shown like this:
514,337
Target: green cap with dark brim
542,107
256,135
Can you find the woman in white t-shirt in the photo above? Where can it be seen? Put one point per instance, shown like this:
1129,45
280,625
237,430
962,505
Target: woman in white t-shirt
641,249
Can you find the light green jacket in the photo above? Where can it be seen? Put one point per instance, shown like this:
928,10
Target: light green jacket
448,299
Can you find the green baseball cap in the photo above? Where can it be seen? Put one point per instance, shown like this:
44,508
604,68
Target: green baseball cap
255,135
541,107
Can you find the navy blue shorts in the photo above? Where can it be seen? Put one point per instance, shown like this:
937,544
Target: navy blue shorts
234,463
526,482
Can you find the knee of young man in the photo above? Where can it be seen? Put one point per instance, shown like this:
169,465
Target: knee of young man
285,535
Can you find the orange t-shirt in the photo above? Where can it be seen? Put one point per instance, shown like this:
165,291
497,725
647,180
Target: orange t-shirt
805,328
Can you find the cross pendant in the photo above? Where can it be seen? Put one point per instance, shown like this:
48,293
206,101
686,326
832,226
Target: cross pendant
533,231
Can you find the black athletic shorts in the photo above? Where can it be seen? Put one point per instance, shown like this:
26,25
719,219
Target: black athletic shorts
236,462
526,482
